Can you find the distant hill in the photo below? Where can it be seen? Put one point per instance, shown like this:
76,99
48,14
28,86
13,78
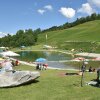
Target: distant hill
89,31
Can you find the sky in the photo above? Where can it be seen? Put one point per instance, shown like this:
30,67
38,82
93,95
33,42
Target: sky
33,14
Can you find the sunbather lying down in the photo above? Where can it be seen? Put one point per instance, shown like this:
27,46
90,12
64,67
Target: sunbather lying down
92,83
71,74
77,73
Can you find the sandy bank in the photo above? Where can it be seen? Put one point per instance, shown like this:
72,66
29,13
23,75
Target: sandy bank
88,54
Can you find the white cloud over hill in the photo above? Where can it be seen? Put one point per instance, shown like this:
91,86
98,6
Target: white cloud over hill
2,34
67,12
95,2
86,8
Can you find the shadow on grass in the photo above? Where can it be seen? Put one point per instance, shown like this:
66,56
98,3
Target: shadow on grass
24,84
97,85
71,74
68,74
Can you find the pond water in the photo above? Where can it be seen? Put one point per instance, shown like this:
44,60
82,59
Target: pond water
53,58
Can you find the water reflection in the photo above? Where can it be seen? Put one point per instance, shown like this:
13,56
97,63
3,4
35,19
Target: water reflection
52,57
60,65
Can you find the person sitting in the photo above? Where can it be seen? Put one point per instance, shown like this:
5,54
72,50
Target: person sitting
90,69
17,63
37,67
45,66
83,68
6,66
93,70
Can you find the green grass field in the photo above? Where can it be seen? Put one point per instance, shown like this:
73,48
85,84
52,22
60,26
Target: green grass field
53,85
81,36
88,31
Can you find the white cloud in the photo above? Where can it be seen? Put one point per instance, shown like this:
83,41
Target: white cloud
79,17
2,34
41,11
48,7
67,12
45,9
86,8
95,2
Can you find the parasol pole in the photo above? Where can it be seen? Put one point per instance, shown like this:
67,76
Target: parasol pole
83,70
82,80
46,38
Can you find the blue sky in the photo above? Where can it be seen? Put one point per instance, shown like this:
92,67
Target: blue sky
25,14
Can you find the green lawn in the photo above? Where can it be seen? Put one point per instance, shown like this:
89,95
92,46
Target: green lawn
88,31
85,36
53,85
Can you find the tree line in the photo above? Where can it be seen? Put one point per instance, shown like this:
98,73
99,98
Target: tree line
26,38
81,20
30,37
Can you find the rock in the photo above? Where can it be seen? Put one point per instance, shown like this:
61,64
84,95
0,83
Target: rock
10,78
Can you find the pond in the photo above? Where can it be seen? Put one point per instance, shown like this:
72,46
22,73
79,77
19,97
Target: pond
54,59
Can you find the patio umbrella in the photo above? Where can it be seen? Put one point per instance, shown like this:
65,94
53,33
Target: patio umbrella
85,62
22,46
79,59
40,63
41,60
97,59
2,47
9,53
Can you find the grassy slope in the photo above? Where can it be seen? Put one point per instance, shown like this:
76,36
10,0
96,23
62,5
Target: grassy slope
89,31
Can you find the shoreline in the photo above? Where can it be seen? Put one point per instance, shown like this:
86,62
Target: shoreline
66,52
88,54
33,64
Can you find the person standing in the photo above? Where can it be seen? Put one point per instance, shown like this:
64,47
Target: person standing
83,68
98,75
